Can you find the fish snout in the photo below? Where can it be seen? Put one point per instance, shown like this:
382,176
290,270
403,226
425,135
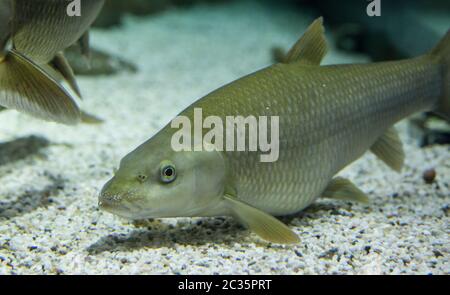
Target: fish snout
115,198
109,196
105,204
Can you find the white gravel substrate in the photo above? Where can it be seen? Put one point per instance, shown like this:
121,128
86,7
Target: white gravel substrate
50,174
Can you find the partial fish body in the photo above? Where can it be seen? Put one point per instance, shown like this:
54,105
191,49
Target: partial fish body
329,117
42,28
32,63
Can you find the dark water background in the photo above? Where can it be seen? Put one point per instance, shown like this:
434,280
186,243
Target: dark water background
400,31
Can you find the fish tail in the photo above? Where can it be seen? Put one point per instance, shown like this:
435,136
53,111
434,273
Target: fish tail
26,87
441,54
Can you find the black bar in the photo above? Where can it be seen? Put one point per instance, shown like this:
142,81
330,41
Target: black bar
128,285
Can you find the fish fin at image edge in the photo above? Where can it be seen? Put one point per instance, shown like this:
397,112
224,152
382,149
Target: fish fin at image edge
26,87
441,53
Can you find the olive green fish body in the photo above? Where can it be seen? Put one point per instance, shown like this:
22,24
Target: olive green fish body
329,116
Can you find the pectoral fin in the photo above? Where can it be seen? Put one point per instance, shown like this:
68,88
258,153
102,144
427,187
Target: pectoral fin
343,189
312,46
264,225
61,65
26,87
389,149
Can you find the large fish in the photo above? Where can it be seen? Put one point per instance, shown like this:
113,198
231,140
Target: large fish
329,116
32,39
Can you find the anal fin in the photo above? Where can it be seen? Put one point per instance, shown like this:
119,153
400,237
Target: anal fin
389,149
343,189
264,225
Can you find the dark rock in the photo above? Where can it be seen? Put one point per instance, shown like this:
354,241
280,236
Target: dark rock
429,176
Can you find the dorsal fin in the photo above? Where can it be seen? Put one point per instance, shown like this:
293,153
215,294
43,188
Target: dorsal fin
312,46
389,149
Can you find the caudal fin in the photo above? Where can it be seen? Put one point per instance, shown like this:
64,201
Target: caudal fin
26,87
441,53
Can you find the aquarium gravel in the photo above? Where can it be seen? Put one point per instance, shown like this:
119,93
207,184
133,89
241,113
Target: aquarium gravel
50,174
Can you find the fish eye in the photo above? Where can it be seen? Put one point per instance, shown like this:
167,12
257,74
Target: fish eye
168,173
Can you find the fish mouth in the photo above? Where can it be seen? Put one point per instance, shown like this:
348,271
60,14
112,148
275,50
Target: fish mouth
115,211
119,208
116,202
121,203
